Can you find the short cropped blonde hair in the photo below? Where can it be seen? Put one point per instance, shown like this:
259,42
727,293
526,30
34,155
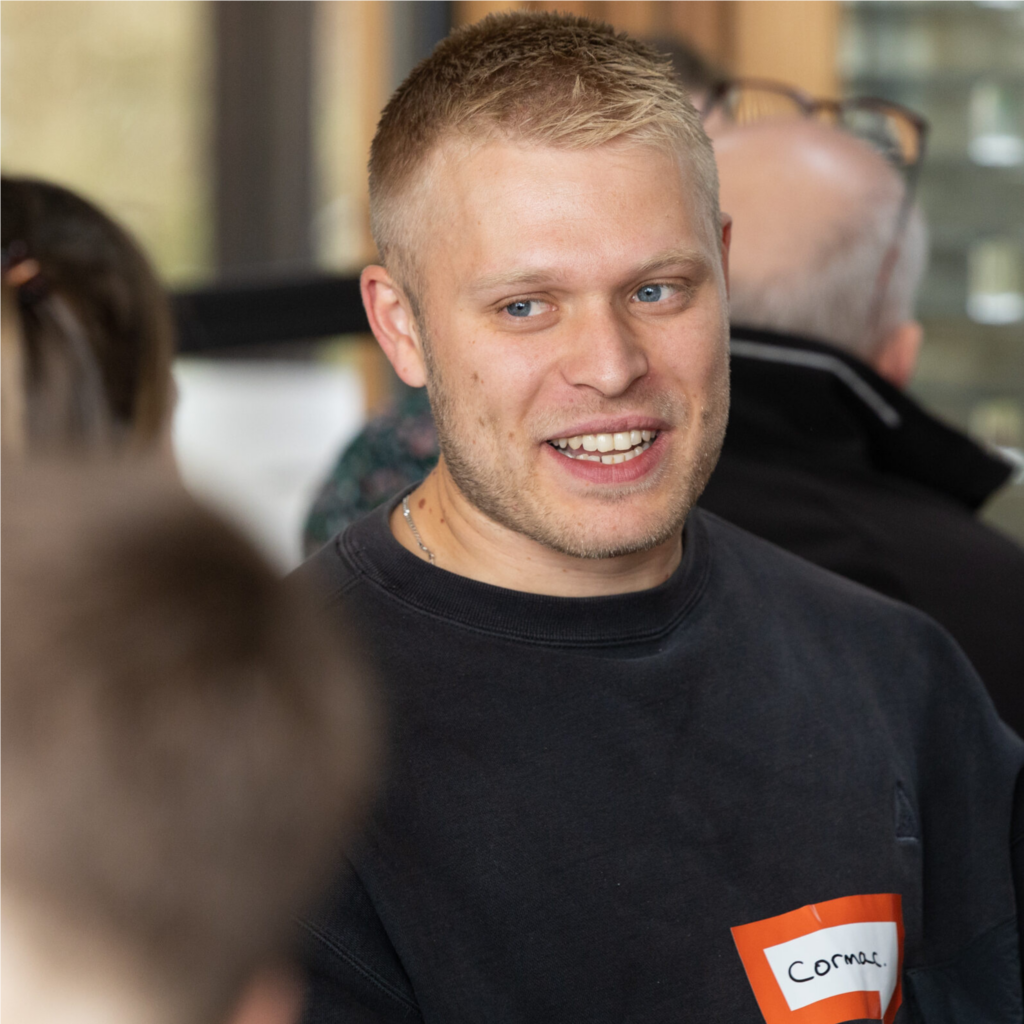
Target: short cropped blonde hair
542,78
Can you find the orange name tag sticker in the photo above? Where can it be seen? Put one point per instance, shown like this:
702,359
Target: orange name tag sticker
827,962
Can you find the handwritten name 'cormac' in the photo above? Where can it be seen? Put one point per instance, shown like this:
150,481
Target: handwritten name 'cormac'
822,967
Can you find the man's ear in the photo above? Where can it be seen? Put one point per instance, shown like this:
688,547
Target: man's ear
726,243
392,323
897,356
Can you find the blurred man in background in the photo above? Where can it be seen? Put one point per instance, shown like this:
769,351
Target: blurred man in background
825,453
185,750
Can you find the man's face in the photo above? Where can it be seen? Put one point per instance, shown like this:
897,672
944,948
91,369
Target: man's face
575,326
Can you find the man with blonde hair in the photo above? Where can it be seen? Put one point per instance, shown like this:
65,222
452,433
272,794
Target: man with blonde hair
645,766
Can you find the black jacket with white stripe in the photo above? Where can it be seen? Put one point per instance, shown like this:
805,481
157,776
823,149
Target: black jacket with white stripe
828,460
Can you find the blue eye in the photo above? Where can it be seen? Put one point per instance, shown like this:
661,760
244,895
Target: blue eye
650,293
521,309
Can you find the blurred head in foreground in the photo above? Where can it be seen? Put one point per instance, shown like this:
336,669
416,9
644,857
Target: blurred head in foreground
814,212
185,751
87,330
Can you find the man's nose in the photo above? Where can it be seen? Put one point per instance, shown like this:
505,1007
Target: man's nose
605,352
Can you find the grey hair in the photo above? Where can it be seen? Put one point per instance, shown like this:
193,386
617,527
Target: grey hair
831,298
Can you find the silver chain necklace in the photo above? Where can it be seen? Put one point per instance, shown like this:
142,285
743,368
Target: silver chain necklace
416,533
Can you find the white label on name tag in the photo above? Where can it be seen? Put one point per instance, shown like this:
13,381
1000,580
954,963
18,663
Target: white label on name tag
859,957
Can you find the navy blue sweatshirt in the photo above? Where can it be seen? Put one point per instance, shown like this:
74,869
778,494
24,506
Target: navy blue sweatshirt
586,796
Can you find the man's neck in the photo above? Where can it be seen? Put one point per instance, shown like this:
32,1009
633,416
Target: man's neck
465,541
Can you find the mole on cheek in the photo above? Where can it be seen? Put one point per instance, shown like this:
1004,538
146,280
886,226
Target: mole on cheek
423,502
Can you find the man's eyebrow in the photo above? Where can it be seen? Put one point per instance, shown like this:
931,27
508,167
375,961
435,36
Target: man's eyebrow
525,275
544,275
672,258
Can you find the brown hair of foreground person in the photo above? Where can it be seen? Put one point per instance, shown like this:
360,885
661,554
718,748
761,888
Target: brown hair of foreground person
545,79
88,333
185,749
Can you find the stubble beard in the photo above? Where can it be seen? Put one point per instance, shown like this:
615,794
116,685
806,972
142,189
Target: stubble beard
507,494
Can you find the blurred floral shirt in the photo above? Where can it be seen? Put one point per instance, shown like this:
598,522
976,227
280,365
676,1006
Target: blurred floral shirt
394,450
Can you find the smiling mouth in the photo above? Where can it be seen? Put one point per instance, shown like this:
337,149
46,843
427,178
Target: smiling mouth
610,449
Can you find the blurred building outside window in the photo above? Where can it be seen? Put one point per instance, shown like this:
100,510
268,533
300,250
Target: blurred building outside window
113,100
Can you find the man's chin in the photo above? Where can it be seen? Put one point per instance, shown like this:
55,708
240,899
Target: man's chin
588,533
596,548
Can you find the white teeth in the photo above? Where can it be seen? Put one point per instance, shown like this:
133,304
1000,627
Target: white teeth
612,459
625,445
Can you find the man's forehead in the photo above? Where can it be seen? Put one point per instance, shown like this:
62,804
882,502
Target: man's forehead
506,195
